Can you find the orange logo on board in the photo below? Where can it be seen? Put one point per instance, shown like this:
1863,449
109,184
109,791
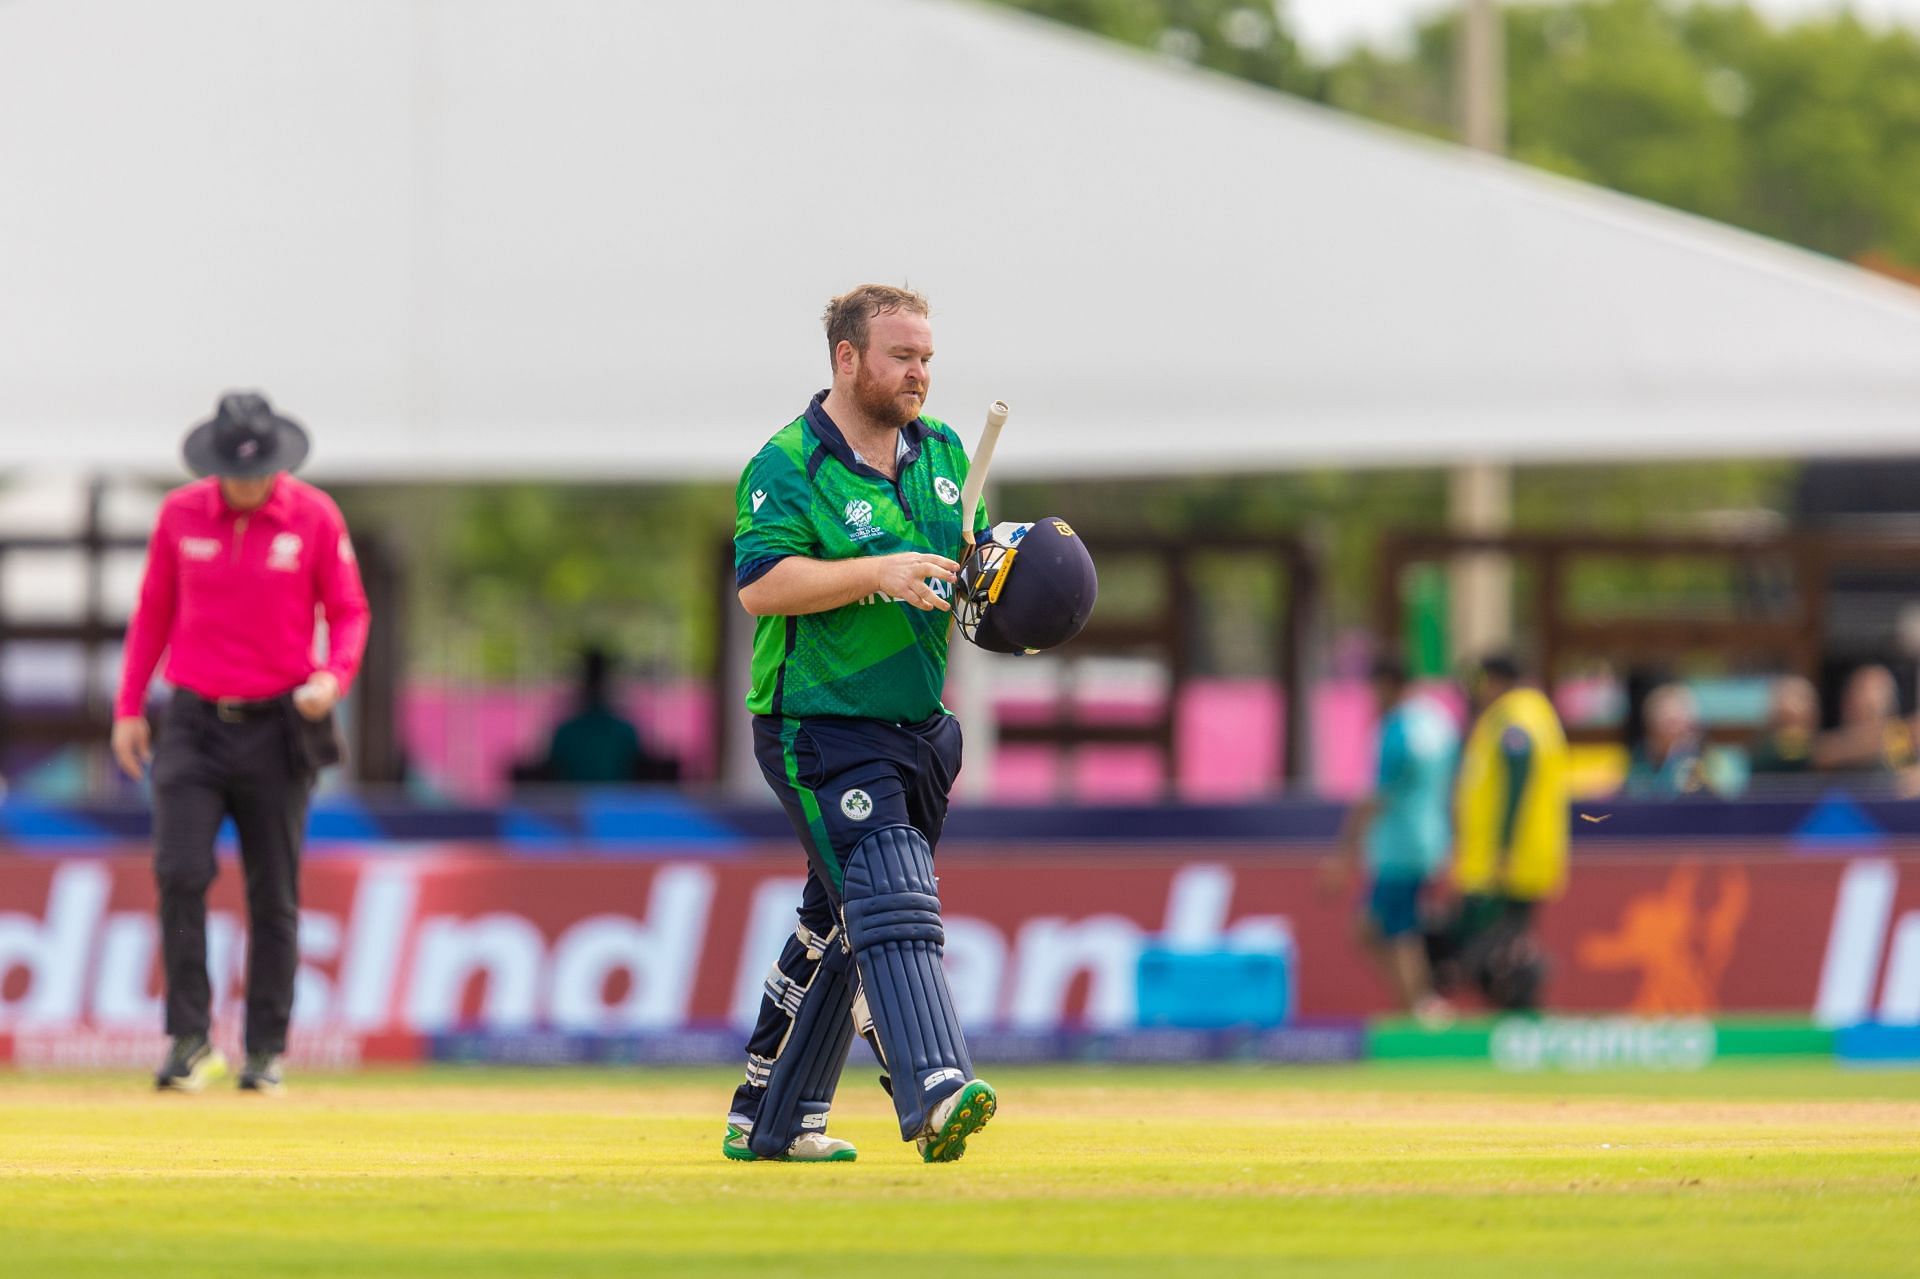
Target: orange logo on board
1679,944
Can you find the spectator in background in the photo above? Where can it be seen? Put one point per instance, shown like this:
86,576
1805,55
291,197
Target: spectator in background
597,745
1401,833
1871,737
1669,758
1786,745
1510,843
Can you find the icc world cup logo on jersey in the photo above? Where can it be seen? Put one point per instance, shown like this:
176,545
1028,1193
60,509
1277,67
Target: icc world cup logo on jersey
859,515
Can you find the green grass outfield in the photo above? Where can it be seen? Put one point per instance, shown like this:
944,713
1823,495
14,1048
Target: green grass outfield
1744,1169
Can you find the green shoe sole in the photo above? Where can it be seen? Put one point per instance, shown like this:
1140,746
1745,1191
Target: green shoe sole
971,1112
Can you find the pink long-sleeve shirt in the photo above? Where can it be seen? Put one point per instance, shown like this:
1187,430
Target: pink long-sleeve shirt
230,596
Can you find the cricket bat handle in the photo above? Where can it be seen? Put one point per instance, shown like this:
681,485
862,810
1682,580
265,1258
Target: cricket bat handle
977,472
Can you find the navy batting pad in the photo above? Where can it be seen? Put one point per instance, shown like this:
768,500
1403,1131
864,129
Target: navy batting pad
806,1069
892,910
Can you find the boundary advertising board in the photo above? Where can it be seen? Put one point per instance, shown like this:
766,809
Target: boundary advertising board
441,939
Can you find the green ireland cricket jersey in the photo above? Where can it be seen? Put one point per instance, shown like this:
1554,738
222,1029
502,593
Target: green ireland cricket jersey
807,494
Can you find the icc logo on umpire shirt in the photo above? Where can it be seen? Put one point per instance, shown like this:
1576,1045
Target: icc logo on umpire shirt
857,805
284,553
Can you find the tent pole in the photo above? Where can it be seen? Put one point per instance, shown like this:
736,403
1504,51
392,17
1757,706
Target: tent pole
1480,500
1480,494
1480,75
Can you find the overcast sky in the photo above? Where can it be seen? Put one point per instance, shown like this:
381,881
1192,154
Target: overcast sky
1330,26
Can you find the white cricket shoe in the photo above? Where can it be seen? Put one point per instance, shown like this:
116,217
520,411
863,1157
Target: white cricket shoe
807,1148
818,1148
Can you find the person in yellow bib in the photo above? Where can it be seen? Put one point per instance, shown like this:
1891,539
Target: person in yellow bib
1510,835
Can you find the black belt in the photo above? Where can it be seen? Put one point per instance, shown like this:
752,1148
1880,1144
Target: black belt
238,710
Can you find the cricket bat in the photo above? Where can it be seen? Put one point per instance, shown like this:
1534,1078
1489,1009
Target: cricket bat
977,480
977,471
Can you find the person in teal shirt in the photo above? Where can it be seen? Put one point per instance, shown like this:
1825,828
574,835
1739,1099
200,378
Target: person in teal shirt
597,745
1401,833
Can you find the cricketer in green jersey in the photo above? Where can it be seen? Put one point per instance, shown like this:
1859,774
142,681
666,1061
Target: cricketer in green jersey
845,550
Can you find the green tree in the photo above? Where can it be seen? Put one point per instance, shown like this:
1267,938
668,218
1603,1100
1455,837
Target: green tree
1809,133
1344,513
1241,39
523,574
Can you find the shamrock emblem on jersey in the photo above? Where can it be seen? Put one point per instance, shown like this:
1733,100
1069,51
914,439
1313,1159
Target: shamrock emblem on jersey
948,491
857,805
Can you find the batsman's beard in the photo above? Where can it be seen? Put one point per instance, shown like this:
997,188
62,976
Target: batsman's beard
891,407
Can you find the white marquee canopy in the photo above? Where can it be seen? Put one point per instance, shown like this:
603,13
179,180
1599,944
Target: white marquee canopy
590,240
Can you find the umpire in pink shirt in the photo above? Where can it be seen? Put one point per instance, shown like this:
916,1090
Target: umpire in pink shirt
240,563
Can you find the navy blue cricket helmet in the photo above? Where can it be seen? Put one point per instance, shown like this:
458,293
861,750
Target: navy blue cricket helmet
1025,588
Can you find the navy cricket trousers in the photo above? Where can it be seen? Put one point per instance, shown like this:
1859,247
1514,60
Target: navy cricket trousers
842,779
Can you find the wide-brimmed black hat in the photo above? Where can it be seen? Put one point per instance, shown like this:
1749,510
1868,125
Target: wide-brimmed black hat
245,439
1026,588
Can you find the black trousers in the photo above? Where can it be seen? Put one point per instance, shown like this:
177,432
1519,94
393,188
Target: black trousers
255,763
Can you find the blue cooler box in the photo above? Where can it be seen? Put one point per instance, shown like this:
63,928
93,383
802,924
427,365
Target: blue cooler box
1214,989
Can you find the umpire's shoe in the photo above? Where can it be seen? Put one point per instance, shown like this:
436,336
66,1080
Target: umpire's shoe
192,1063
955,1119
807,1148
262,1074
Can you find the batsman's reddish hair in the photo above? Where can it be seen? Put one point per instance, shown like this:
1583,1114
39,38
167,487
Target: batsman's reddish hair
848,315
